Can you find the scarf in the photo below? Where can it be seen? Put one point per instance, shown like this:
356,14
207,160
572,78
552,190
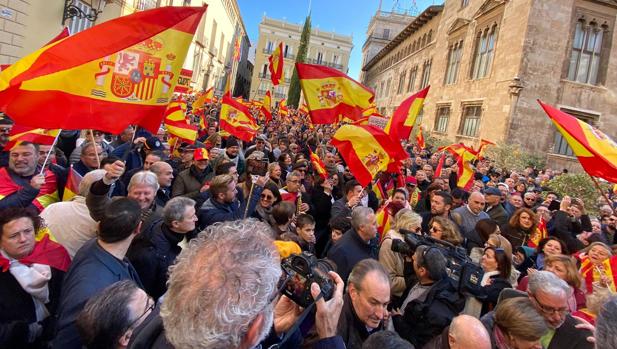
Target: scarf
45,252
199,175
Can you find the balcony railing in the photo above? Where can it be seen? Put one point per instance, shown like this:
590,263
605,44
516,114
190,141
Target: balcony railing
327,64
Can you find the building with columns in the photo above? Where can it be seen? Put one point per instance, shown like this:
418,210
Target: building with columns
488,61
326,48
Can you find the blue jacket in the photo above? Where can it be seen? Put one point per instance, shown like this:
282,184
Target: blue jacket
212,211
349,251
92,270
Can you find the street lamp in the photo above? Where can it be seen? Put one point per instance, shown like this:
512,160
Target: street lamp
72,10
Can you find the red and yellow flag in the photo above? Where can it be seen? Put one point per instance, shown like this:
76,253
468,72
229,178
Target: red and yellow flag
114,74
204,98
237,119
318,165
177,124
48,194
593,274
332,95
367,150
483,144
420,139
33,135
540,233
596,152
266,107
383,221
439,168
465,156
237,48
401,123
276,64
283,107
71,188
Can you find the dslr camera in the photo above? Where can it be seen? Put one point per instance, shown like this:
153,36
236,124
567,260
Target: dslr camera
459,267
301,270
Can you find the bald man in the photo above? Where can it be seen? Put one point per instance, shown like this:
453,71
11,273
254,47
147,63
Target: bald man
165,174
463,333
467,216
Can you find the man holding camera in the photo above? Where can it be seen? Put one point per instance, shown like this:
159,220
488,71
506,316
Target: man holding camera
366,303
211,281
432,303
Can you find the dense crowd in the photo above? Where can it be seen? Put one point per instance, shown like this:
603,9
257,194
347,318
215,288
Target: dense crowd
180,246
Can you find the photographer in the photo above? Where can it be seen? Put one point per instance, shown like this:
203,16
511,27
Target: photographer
209,282
432,303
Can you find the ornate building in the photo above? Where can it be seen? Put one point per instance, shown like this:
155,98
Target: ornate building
326,48
488,61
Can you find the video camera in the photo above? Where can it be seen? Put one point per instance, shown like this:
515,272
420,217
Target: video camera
301,270
459,267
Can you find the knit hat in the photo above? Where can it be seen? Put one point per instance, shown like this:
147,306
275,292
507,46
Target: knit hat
232,142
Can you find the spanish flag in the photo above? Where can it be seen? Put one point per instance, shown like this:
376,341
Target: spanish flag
276,64
71,188
283,107
33,135
45,252
593,273
439,168
465,156
540,233
204,98
177,123
401,123
483,144
332,95
266,107
114,74
596,152
237,119
303,110
420,139
367,150
318,165
382,218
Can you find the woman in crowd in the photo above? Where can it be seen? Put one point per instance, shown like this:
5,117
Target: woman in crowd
270,196
394,262
286,164
444,229
596,268
275,172
520,227
565,268
549,246
31,274
515,324
497,266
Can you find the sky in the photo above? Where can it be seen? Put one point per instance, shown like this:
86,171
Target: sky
346,17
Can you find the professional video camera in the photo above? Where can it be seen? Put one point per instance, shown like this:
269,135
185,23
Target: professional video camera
459,267
301,270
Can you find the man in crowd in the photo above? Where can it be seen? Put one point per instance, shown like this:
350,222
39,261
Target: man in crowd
233,154
165,175
493,206
98,264
342,207
293,190
22,184
366,301
441,203
467,216
357,243
91,155
464,332
260,145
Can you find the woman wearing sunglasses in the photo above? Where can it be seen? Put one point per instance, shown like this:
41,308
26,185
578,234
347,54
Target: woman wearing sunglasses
497,266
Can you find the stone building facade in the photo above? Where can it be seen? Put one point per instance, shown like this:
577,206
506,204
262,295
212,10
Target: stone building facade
325,48
488,61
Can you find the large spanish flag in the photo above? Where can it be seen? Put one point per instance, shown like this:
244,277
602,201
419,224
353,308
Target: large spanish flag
266,107
178,125
596,152
465,156
33,135
401,123
114,74
276,64
237,119
367,150
332,95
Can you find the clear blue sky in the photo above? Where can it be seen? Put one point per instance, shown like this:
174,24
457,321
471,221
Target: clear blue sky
346,17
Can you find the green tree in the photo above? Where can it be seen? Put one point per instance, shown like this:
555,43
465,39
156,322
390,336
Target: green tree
510,156
293,97
578,185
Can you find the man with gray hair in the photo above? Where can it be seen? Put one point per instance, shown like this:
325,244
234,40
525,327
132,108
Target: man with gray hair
549,295
432,303
81,228
227,279
366,301
142,189
153,251
606,325
357,243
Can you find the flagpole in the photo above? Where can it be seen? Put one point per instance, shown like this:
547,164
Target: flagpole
96,152
248,198
49,152
595,181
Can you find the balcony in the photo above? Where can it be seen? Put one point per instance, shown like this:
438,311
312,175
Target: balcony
264,75
327,64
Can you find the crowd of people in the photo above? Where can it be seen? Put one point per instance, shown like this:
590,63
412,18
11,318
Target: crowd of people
180,246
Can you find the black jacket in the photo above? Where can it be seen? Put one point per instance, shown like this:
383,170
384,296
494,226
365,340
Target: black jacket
422,321
566,229
151,254
489,294
353,331
17,311
349,251
516,236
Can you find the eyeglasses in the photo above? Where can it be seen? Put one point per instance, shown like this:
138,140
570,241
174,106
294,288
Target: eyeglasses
295,181
266,197
151,304
550,310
